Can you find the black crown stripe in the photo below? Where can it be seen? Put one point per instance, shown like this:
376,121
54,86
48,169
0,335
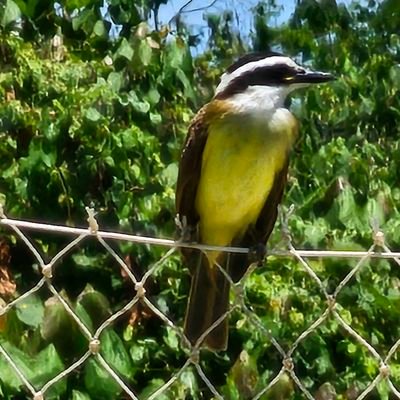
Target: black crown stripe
251,57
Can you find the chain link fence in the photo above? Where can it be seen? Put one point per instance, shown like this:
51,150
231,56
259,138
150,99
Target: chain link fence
378,249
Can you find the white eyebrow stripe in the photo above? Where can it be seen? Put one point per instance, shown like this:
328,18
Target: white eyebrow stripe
227,78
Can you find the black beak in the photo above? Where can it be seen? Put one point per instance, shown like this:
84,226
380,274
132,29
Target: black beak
312,77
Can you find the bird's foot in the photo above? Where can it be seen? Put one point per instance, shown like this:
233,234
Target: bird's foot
184,230
257,253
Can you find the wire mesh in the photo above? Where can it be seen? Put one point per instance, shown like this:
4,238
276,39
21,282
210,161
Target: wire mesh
378,249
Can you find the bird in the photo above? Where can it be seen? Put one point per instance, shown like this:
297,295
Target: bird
231,178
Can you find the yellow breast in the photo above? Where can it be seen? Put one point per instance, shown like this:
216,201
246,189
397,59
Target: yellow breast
239,163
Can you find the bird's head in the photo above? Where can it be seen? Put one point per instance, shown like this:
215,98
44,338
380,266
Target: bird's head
265,77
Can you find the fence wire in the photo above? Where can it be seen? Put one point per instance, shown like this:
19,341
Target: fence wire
378,249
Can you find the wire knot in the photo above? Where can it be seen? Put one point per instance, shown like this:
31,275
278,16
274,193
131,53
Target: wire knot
38,396
239,293
94,346
47,271
288,364
195,356
379,238
93,225
331,300
140,290
384,370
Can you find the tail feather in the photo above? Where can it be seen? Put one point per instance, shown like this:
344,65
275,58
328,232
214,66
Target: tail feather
208,301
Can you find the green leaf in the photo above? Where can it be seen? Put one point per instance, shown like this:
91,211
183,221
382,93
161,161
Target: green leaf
92,114
99,29
152,387
88,262
145,53
188,89
395,75
139,106
137,353
169,175
153,96
129,137
47,365
30,311
174,54
38,369
55,320
113,350
367,105
95,304
85,20
115,80
80,395
76,4
155,119
98,382
108,160
48,159
124,50
84,316
188,379
10,14
172,339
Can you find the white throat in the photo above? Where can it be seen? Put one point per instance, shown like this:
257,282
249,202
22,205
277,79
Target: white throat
259,100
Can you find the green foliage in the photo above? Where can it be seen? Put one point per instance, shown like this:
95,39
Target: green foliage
94,107
38,369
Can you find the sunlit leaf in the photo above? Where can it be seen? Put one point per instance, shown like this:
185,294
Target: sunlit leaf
30,311
124,50
10,13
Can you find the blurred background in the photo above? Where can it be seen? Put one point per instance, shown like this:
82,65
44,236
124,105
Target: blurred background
95,101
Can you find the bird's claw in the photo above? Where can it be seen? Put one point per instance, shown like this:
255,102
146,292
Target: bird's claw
185,232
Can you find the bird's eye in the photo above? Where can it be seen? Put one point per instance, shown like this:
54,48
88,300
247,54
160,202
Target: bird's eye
301,71
288,78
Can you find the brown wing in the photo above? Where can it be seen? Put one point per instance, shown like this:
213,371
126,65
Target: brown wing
191,158
189,175
266,220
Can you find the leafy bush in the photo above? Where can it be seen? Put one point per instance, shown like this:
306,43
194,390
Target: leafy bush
94,107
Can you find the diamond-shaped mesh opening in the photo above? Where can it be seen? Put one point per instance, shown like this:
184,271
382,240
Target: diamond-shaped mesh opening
327,354
279,337
284,312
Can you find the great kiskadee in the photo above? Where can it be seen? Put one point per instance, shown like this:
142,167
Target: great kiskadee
231,178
